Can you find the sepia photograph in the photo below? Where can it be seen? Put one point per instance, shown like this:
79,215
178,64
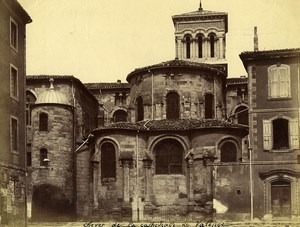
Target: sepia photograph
148,113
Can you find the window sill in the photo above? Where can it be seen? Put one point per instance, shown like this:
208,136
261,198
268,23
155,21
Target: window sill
16,152
279,98
280,150
108,180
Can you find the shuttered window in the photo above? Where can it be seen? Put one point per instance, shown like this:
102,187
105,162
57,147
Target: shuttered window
280,134
279,81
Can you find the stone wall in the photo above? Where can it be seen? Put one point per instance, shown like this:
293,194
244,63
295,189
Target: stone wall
190,86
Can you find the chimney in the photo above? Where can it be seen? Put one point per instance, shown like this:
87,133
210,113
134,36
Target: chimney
118,81
255,39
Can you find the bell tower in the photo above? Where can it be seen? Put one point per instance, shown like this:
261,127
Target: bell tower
200,36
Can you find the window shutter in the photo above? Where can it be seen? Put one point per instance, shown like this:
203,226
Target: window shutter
294,134
267,134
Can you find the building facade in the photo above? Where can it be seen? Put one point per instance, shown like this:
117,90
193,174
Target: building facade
273,90
13,20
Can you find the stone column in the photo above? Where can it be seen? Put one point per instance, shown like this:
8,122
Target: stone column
147,166
208,48
190,179
221,47
126,177
95,165
209,189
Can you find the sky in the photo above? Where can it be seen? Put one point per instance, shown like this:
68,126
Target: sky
104,40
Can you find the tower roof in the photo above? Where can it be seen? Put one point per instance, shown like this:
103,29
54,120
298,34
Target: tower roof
201,15
52,96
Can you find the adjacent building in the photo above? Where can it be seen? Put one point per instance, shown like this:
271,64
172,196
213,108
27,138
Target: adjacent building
274,102
13,20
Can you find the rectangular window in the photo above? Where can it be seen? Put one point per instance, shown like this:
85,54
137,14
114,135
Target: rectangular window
13,34
14,91
279,81
29,159
14,134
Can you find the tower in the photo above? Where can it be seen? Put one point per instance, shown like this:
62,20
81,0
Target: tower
200,36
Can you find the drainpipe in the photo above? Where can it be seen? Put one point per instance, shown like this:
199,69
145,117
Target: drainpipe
298,65
74,154
251,179
137,175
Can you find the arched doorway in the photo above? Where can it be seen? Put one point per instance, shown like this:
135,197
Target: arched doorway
50,203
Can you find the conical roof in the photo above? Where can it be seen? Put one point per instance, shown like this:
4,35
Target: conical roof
52,96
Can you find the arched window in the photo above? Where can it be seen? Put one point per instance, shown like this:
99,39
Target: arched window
120,116
140,108
124,98
43,126
43,157
281,198
209,106
108,160
188,46
172,106
200,47
242,115
280,134
212,44
168,157
228,152
30,100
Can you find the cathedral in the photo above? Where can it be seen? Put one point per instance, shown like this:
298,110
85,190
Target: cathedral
181,140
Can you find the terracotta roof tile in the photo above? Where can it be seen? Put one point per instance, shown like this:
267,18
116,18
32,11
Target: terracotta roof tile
171,125
237,80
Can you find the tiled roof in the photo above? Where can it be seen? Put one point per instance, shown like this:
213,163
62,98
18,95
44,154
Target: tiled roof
269,53
176,64
237,80
171,125
106,85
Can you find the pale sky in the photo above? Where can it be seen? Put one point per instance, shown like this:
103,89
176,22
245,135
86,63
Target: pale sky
104,40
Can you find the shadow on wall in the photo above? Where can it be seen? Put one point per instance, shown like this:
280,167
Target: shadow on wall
49,203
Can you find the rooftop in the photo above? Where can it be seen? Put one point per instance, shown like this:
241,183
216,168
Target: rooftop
106,85
176,64
236,80
171,125
293,52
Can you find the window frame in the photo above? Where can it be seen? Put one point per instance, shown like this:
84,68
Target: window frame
171,112
161,153
113,164
274,82
12,45
140,114
45,156
41,129
14,148
14,87
237,148
268,138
